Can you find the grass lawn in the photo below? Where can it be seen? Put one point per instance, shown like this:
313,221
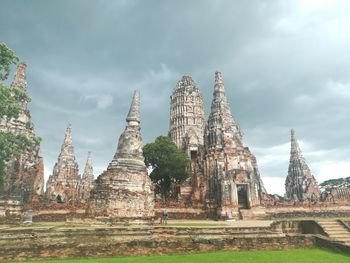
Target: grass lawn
280,256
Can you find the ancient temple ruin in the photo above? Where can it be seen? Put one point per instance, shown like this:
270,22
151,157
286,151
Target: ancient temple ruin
24,176
300,183
87,180
225,175
124,189
230,168
62,185
187,122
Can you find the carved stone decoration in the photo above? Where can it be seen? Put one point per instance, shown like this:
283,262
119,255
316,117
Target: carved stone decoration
300,183
24,176
186,114
62,185
187,124
231,172
124,189
87,180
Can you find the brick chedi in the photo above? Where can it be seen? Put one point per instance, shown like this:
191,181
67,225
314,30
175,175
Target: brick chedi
230,168
24,176
62,185
87,180
187,124
300,183
124,189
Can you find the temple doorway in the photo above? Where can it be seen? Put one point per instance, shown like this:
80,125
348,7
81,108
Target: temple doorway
242,194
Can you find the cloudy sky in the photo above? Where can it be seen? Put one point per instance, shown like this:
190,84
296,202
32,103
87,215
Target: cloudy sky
285,65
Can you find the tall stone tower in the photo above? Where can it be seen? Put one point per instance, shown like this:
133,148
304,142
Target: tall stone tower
62,185
124,189
233,179
300,183
24,176
187,123
187,116
87,180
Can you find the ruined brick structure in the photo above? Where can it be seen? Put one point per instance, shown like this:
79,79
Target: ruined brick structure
300,183
87,180
124,189
187,122
226,173
62,185
24,176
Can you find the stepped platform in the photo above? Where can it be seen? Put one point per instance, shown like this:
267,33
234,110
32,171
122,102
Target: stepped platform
72,240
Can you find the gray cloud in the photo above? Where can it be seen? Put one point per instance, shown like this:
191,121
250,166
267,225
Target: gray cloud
285,64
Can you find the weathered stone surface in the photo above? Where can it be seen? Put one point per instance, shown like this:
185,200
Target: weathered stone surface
233,179
24,176
300,183
224,171
124,189
62,185
187,124
187,115
87,180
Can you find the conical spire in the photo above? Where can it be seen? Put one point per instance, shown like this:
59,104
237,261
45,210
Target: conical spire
295,151
220,118
67,145
66,159
20,78
129,151
300,183
88,175
134,112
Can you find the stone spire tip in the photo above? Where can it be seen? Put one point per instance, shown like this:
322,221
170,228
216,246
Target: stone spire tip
134,112
218,77
20,78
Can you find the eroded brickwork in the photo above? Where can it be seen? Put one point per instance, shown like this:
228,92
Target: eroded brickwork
124,189
300,183
24,176
62,185
87,180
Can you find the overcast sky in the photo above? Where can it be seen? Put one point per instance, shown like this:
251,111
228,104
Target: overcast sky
285,64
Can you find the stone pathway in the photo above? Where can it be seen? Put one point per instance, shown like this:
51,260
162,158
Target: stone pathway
336,230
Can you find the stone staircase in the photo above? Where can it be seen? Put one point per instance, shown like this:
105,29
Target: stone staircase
336,230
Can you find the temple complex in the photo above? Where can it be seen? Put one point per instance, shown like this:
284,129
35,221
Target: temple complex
24,176
62,185
225,175
124,189
300,183
87,180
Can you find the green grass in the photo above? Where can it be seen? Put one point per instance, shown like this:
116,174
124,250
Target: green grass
272,256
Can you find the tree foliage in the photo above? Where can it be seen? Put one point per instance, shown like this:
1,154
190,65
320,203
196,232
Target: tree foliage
11,145
168,162
7,59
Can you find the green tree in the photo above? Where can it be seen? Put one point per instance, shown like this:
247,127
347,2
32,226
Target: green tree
11,145
168,162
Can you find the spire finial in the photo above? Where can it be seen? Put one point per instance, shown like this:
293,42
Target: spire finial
294,149
134,112
218,77
20,78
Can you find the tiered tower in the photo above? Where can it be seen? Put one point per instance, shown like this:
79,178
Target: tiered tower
24,176
124,189
87,180
187,130
300,183
62,185
233,179
187,115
